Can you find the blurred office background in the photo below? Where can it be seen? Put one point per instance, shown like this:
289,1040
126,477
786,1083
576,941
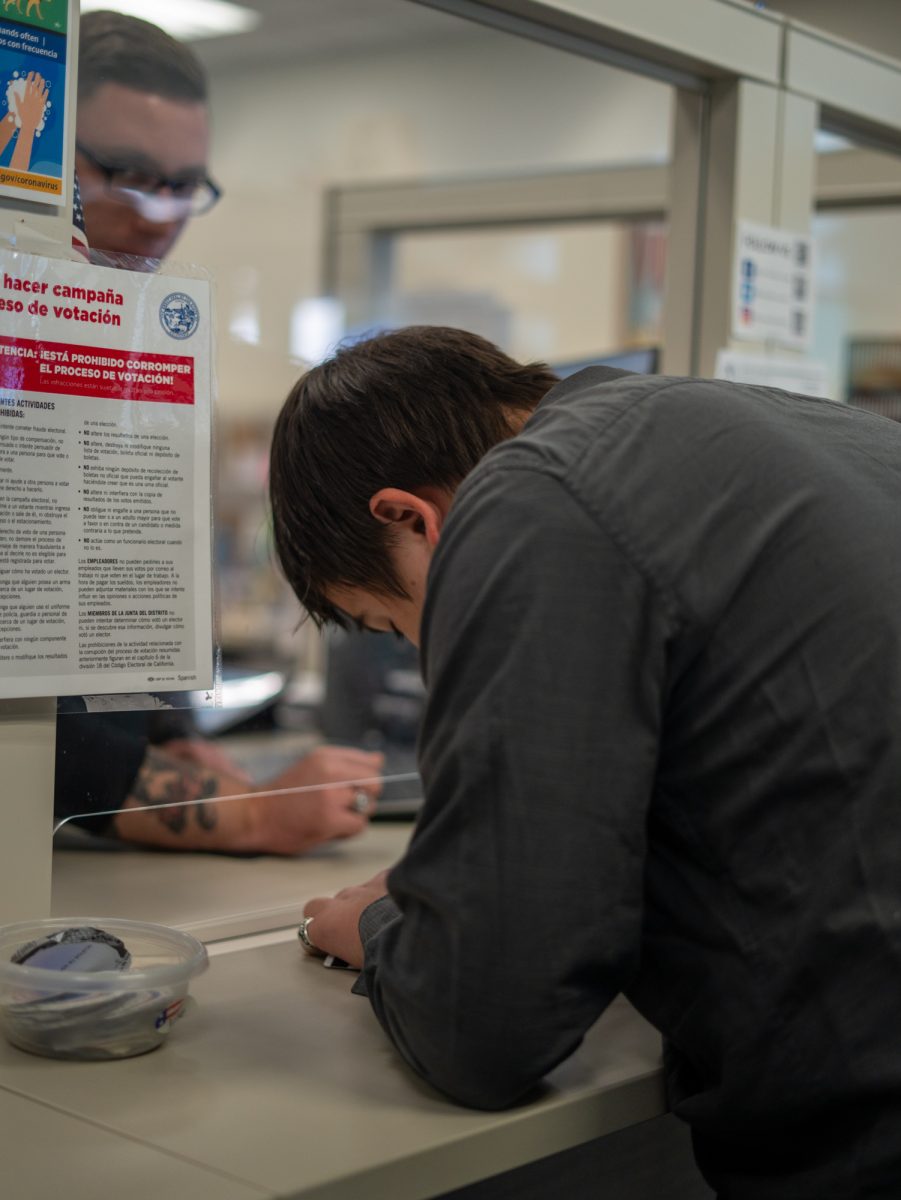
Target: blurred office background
386,163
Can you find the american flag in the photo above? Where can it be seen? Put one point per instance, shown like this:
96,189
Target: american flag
79,236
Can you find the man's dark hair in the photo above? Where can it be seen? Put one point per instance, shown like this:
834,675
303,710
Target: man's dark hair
114,48
415,407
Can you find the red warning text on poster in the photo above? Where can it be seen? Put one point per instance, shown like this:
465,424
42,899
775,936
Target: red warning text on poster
62,368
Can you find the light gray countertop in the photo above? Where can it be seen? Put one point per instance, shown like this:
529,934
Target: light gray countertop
280,1083
282,1080
214,896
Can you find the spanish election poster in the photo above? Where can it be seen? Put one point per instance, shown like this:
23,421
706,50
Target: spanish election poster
105,510
33,43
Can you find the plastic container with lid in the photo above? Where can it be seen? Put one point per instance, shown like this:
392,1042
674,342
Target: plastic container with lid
100,1013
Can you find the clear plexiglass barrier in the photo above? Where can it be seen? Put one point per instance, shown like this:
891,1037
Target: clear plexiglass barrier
229,836
183,807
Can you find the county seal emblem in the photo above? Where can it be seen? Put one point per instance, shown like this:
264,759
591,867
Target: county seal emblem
179,315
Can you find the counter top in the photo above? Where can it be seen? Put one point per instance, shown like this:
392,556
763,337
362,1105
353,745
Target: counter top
282,1080
280,1083
215,896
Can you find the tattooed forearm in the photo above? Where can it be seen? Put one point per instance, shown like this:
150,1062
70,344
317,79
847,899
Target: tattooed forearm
205,816
161,780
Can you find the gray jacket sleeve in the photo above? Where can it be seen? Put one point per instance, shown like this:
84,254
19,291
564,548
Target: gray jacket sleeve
521,892
373,920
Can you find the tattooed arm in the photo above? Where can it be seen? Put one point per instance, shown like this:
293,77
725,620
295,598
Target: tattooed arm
190,823
173,804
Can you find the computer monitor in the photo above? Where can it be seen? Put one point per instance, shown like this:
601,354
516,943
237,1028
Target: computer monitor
644,360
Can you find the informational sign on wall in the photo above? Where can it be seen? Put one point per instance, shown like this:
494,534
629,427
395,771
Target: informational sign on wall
773,282
33,66
803,375
105,511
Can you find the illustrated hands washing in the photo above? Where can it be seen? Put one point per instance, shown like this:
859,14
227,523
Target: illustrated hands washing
30,106
7,129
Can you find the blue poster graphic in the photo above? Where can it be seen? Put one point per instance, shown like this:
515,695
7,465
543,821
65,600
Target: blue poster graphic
32,112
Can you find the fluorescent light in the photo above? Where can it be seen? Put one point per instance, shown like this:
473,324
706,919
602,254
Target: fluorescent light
317,326
827,143
185,19
244,325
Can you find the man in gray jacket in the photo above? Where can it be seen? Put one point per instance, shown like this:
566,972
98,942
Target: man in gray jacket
660,624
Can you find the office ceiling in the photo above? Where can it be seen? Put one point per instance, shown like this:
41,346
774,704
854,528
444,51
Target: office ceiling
305,29
298,30
872,23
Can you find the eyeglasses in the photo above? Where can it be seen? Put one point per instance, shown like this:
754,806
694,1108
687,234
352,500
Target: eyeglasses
141,189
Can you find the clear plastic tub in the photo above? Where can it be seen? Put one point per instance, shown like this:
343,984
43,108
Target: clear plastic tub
97,1014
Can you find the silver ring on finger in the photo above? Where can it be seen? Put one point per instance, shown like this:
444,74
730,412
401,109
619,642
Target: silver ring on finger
305,939
360,801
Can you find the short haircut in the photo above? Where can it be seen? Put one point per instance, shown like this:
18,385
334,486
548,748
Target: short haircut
410,408
114,48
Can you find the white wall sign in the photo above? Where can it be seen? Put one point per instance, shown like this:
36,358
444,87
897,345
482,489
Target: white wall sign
105,512
773,286
790,374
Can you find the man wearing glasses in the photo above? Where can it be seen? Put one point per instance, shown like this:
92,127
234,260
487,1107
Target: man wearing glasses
142,137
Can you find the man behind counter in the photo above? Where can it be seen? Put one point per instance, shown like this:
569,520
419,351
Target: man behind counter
142,146
660,624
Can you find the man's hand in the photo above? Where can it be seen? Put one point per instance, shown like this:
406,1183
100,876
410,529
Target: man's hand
206,754
170,805
291,822
335,927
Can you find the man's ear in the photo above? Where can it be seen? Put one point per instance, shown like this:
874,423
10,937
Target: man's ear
421,515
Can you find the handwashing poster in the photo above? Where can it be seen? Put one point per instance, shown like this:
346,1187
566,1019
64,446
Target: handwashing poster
33,99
